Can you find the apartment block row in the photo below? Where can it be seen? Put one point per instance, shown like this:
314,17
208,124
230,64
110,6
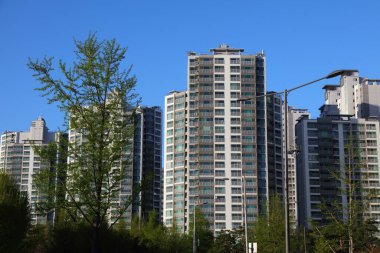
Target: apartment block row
223,147
342,143
19,159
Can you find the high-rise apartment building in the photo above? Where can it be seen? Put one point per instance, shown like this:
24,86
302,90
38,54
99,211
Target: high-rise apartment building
21,161
274,152
294,114
323,153
216,145
356,96
144,171
349,120
175,170
147,160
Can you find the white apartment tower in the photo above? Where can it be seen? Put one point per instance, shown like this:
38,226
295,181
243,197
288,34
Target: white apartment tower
214,144
19,159
356,96
349,117
294,115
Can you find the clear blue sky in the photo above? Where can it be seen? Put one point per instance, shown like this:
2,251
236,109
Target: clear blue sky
303,40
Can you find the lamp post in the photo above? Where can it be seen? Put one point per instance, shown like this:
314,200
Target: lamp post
245,217
286,92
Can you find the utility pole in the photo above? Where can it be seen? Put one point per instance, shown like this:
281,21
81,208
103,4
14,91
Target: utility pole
245,217
286,192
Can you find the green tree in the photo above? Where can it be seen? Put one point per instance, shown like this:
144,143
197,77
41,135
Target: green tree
344,225
154,237
94,93
203,234
14,215
176,242
269,229
229,242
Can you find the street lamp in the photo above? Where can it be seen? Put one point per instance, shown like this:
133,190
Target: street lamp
245,216
286,92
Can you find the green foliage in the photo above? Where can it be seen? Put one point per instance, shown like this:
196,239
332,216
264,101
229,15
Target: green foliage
94,94
334,237
76,238
156,238
269,229
344,228
203,234
14,215
229,242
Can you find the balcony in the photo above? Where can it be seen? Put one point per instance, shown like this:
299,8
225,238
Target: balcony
205,79
235,78
206,71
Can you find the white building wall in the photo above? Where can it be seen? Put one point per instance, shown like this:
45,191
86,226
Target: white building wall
19,159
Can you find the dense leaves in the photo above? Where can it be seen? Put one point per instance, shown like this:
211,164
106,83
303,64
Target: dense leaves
14,215
95,95
229,242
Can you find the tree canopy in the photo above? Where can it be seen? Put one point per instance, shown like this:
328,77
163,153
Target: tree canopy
95,93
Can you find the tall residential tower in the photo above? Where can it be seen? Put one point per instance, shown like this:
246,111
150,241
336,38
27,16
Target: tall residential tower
214,144
19,159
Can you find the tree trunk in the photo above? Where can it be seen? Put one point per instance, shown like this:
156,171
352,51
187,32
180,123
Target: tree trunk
95,244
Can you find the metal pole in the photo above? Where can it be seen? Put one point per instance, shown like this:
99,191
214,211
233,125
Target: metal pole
194,240
6,150
304,239
286,197
245,217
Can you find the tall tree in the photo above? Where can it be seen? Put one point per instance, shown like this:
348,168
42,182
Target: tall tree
94,93
203,234
268,230
14,215
345,224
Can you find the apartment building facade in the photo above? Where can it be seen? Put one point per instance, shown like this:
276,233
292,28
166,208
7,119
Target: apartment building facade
354,95
215,145
143,171
147,164
324,145
19,159
294,114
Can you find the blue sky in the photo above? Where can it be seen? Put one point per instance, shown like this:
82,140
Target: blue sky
303,40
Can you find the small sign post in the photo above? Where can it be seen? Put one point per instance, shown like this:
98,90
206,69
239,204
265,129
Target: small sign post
252,247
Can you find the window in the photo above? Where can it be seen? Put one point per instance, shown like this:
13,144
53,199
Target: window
219,111
220,216
235,86
235,69
219,77
219,86
219,103
219,94
219,129
219,138
219,147
219,61
234,61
